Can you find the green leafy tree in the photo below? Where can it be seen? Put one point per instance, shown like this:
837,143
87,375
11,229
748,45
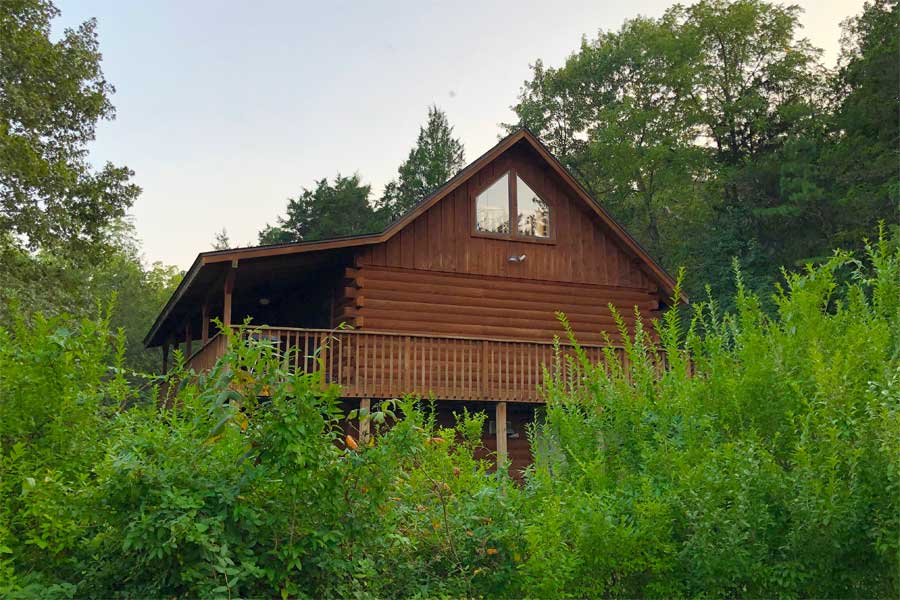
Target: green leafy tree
436,157
755,80
45,284
136,293
52,95
684,126
328,210
64,246
760,96
862,165
620,115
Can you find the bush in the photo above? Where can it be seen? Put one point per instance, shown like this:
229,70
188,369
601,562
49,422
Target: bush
772,471
767,465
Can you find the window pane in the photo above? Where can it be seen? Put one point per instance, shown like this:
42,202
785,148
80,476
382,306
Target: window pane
534,213
492,207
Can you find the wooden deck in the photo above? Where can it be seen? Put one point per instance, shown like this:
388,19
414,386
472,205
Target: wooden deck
372,364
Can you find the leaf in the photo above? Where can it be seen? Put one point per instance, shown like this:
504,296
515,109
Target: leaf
219,426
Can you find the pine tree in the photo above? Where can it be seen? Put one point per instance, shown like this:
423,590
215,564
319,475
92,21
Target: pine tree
436,157
222,241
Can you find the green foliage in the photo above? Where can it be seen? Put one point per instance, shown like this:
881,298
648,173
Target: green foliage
52,94
47,283
866,128
229,492
713,132
772,471
435,159
57,394
329,210
343,208
764,466
65,246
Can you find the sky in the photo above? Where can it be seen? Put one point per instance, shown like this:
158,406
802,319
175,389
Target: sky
224,110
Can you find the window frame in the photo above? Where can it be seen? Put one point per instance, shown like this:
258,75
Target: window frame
513,235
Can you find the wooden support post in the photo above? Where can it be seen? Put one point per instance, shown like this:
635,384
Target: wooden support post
204,323
407,366
323,358
188,342
365,423
501,432
229,289
483,388
165,357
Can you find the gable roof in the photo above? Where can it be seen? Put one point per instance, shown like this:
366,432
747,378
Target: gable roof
665,281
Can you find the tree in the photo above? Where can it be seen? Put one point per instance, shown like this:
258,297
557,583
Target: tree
52,94
136,293
681,125
619,116
863,163
436,157
221,240
755,80
328,210
50,285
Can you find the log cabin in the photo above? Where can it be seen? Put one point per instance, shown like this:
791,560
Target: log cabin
455,301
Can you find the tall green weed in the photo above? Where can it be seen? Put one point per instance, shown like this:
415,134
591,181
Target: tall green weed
739,454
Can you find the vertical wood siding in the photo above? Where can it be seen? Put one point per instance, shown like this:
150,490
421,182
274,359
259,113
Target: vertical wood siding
441,239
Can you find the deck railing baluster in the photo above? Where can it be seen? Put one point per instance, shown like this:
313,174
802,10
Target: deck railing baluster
385,364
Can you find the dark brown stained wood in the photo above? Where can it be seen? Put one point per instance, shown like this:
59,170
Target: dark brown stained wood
407,277
369,364
392,299
443,238
188,341
204,323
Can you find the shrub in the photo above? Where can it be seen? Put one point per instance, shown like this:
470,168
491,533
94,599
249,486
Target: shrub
766,465
772,471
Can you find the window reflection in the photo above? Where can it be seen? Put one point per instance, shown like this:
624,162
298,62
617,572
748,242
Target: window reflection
492,207
534,213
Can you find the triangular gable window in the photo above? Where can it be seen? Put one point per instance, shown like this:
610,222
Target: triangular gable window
511,195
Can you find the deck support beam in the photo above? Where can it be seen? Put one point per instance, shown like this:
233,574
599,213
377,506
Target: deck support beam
500,417
165,357
365,423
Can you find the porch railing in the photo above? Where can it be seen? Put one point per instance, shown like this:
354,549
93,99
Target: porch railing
373,364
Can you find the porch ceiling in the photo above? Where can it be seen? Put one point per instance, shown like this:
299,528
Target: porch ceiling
255,277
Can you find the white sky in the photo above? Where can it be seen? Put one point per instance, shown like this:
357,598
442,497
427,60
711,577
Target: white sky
224,110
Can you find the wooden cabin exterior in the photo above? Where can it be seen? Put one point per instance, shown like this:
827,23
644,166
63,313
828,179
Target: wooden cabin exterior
456,301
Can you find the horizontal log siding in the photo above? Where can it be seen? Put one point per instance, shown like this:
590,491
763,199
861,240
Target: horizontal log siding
441,303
